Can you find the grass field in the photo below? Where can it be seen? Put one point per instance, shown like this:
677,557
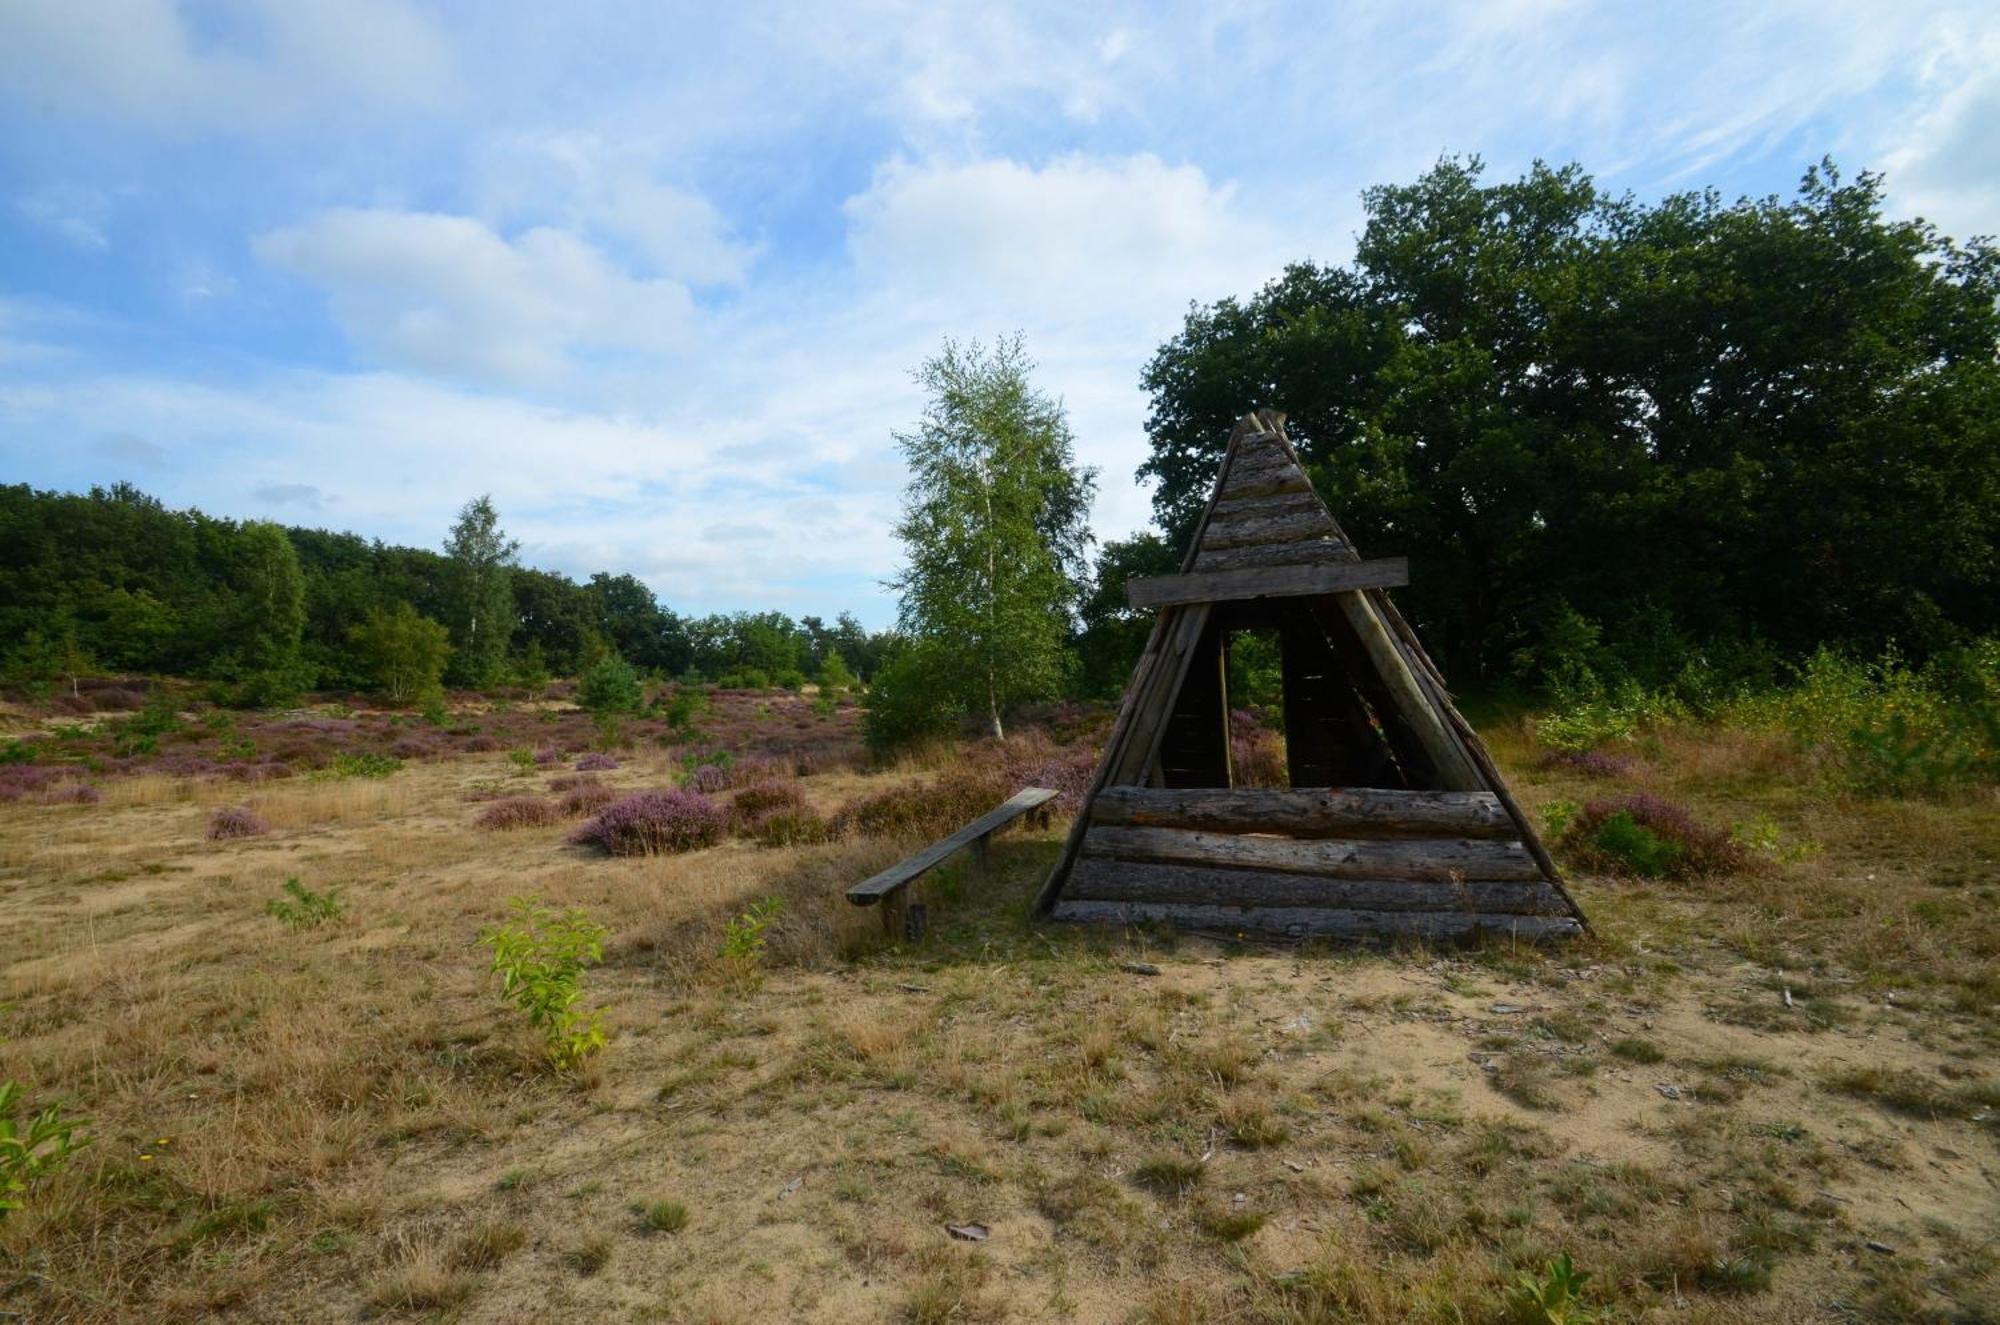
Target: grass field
1771,1096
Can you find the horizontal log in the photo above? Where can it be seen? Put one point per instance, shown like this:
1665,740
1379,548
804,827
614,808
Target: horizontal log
1299,922
1253,464
1307,811
1439,859
1235,506
1094,879
1309,581
1268,483
872,890
1305,552
1226,532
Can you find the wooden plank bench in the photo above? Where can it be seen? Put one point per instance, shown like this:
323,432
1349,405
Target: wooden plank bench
891,886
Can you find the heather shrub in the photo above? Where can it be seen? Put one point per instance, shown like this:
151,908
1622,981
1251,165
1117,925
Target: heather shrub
654,823
792,828
545,756
518,812
478,745
234,821
20,780
761,799
412,749
1590,763
596,763
1256,753
73,793
927,809
1644,836
708,778
586,797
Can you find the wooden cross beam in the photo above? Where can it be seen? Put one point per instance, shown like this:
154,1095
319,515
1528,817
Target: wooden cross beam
1269,582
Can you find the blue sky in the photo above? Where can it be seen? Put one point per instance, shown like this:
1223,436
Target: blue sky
656,276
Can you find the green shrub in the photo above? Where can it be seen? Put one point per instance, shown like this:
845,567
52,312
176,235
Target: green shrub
362,765
1644,836
302,908
609,688
540,959
1553,1297
743,937
909,703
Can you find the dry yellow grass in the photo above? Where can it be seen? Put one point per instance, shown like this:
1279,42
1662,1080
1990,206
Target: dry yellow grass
301,1126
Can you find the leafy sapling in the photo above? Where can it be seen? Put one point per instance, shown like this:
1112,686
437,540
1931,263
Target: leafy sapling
540,958
30,1154
302,908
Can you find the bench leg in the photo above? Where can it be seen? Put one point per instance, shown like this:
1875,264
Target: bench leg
894,915
982,856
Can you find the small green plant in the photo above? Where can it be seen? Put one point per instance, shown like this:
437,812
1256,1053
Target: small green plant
1553,1297
540,958
1556,816
666,1216
1639,849
681,710
238,747
522,760
743,937
362,765
302,908
30,1156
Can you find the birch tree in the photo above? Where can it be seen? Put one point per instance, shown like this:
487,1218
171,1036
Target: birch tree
482,562
993,531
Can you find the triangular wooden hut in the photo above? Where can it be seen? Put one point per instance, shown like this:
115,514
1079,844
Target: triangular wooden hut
1396,820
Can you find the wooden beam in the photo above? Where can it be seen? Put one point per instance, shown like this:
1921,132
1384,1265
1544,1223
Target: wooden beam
1311,581
1307,811
1094,880
1300,922
872,890
1424,858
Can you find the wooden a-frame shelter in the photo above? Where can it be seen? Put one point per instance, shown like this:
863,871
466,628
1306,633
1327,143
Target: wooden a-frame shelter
1396,821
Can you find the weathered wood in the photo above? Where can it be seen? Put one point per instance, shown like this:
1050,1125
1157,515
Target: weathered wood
1318,922
872,890
1194,748
1098,880
1432,858
1290,501
1308,811
1476,749
1306,552
1446,756
1149,719
1247,530
1268,582
1331,739
1271,483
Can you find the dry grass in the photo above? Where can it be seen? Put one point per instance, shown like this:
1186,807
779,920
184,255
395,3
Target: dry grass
304,1126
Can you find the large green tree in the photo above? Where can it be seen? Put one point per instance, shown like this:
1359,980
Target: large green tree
482,592
1696,427
994,530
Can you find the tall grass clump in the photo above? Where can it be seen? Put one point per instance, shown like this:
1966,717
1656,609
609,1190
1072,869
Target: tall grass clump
655,823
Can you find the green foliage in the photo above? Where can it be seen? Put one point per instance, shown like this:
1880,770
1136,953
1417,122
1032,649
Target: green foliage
1553,1297
30,1154
994,532
666,1216
268,618
1635,849
540,958
835,678
303,908
1616,434
743,937
483,611
680,711
609,689
912,700
404,652
361,764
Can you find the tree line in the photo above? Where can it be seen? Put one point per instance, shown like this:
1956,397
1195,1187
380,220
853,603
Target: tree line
1682,444
114,581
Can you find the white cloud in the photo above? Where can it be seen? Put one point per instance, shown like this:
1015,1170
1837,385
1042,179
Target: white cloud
1079,236
252,69
580,182
1944,164
446,294
73,213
